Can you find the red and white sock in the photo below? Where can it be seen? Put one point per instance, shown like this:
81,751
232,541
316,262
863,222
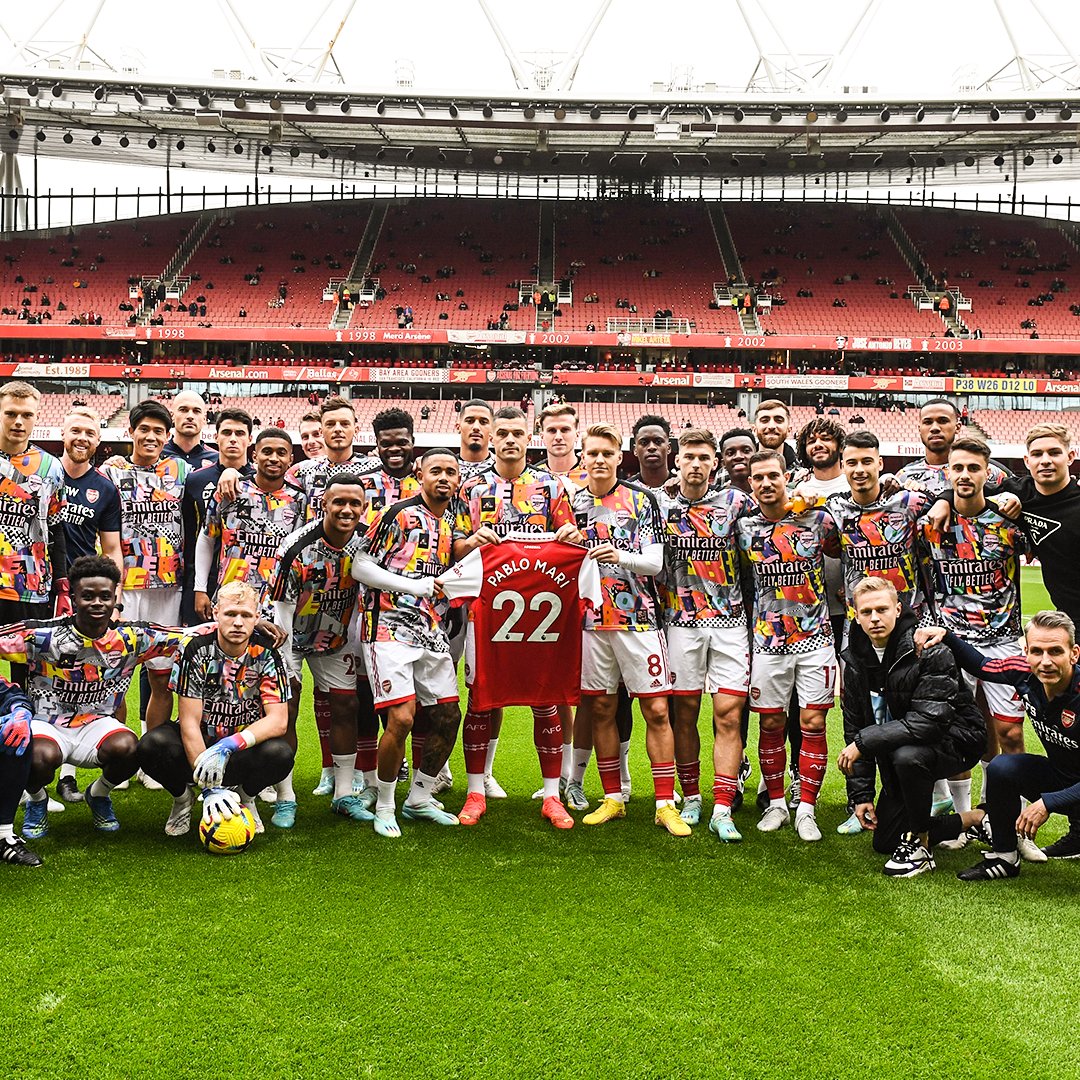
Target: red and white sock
609,778
689,773
322,725
772,756
475,730
663,776
813,759
547,737
724,790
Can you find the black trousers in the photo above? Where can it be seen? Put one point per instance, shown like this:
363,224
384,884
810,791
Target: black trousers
1012,777
908,776
14,773
161,755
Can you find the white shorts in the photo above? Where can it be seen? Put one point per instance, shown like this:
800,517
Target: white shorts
400,672
715,659
636,658
812,675
79,745
161,606
335,673
1001,700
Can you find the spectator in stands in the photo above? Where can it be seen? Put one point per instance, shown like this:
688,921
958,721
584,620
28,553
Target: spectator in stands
282,289
242,313
280,423
425,413
457,405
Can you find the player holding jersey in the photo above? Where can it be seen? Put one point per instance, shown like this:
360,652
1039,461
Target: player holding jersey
974,570
315,594
706,626
624,641
33,546
151,489
793,639
80,669
229,739
512,498
405,643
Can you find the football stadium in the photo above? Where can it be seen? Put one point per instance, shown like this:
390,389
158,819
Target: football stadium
693,388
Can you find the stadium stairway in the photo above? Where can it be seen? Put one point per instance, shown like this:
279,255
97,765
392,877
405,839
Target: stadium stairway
361,266
729,254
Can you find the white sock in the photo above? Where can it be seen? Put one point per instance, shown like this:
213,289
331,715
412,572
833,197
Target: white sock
961,795
1012,857
624,762
67,771
344,768
37,796
941,790
475,783
7,832
421,788
100,787
579,765
490,759
781,803
804,810
761,785
567,760
371,778
284,789
551,787
387,794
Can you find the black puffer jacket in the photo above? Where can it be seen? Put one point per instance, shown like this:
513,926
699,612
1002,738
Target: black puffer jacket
928,700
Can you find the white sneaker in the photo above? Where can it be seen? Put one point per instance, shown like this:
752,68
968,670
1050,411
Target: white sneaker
806,827
56,806
575,797
444,781
148,782
492,787
774,819
1029,850
179,820
123,785
325,786
627,790
268,794
961,841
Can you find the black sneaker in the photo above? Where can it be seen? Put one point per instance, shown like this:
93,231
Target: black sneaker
15,852
67,790
1068,847
990,869
910,858
795,791
403,773
980,832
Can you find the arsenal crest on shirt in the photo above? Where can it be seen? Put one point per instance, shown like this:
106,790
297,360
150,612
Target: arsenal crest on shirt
92,495
1068,718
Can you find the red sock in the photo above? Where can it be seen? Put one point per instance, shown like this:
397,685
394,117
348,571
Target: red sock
475,734
724,790
421,727
547,736
689,777
663,778
813,758
367,753
610,776
322,725
772,756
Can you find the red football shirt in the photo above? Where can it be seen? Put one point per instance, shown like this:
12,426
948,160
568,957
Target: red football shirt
527,602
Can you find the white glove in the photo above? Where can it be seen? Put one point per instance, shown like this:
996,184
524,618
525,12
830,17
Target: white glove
220,803
209,768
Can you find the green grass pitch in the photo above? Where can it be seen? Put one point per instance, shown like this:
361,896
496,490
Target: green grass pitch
510,950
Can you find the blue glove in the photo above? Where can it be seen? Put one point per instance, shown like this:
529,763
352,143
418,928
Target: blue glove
15,731
220,803
211,763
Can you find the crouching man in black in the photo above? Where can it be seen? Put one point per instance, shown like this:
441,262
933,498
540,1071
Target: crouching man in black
910,715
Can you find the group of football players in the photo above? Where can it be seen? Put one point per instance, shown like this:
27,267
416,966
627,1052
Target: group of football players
754,572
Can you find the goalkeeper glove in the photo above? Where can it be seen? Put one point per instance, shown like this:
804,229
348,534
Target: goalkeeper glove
218,804
210,765
15,732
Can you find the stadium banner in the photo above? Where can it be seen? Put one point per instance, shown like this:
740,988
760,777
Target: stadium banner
561,338
806,382
992,385
723,379
399,374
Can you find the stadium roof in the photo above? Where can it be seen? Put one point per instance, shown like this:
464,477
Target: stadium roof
793,114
